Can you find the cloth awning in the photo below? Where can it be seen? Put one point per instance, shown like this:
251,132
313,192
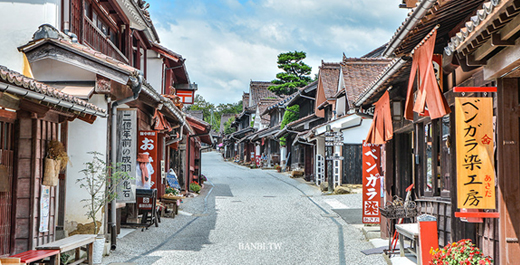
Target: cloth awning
381,129
160,123
430,100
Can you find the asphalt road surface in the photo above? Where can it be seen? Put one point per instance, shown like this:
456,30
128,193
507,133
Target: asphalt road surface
250,216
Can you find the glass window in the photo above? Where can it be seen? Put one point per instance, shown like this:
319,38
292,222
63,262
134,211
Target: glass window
445,150
87,9
428,141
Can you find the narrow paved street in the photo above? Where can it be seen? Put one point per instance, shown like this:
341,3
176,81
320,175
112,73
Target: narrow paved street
250,216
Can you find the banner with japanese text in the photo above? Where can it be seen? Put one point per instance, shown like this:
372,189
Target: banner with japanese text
371,183
148,145
475,168
126,153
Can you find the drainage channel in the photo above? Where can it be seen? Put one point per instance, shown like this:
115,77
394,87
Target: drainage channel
341,240
197,216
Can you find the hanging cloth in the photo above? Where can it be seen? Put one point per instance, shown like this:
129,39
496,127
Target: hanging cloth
160,123
429,94
381,129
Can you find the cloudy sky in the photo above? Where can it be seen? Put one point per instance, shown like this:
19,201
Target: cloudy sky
228,43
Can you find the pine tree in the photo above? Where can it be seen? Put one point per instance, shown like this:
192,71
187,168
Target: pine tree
295,73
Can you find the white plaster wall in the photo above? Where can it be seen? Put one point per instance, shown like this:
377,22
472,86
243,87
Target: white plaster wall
82,138
52,70
154,70
356,135
340,106
19,21
320,146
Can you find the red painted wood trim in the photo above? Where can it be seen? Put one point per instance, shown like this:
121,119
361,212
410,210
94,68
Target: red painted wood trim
35,255
478,214
475,89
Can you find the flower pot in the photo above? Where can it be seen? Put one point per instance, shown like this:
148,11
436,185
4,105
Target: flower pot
97,252
51,172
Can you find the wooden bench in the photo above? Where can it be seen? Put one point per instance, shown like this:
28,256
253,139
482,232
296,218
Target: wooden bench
38,255
75,242
410,231
11,261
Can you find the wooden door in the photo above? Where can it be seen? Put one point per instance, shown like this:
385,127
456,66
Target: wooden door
6,197
352,164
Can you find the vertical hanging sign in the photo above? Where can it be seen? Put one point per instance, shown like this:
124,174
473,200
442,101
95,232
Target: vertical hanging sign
148,145
475,169
371,183
126,153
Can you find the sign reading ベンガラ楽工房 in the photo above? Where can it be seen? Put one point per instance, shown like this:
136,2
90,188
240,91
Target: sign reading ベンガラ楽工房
475,169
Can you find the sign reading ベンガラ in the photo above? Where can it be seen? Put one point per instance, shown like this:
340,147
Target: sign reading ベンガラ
475,169
371,183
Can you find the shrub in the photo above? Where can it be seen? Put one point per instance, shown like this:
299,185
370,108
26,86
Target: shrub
461,252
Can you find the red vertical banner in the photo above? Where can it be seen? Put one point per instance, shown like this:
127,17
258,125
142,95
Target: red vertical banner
147,144
371,183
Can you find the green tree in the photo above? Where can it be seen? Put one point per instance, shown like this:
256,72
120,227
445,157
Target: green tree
295,73
227,126
291,114
212,113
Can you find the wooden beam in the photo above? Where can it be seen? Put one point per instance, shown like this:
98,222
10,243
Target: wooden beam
496,40
9,101
38,109
470,61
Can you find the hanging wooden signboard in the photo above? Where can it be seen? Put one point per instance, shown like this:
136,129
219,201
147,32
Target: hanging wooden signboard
126,153
475,169
148,145
371,183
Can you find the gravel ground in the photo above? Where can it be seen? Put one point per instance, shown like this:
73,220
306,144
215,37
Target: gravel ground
250,216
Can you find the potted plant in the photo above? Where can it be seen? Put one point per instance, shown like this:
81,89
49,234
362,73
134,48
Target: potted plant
461,252
195,187
55,161
96,175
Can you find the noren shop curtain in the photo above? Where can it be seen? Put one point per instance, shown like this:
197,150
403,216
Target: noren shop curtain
160,123
430,100
381,129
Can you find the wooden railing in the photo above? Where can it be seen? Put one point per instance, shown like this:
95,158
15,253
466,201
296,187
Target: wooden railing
100,42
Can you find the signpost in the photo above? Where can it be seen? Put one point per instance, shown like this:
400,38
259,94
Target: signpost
126,153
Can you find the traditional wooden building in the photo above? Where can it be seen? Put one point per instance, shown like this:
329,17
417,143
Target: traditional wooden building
470,47
32,114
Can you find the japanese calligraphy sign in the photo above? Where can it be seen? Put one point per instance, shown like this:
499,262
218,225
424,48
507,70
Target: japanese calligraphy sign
148,145
475,171
126,153
371,183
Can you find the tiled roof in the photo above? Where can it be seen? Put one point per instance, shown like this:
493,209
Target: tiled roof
329,76
258,90
358,73
167,52
283,102
245,101
84,51
262,107
422,19
307,118
17,79
198,114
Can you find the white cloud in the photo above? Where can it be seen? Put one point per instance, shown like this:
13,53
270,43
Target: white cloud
227,43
